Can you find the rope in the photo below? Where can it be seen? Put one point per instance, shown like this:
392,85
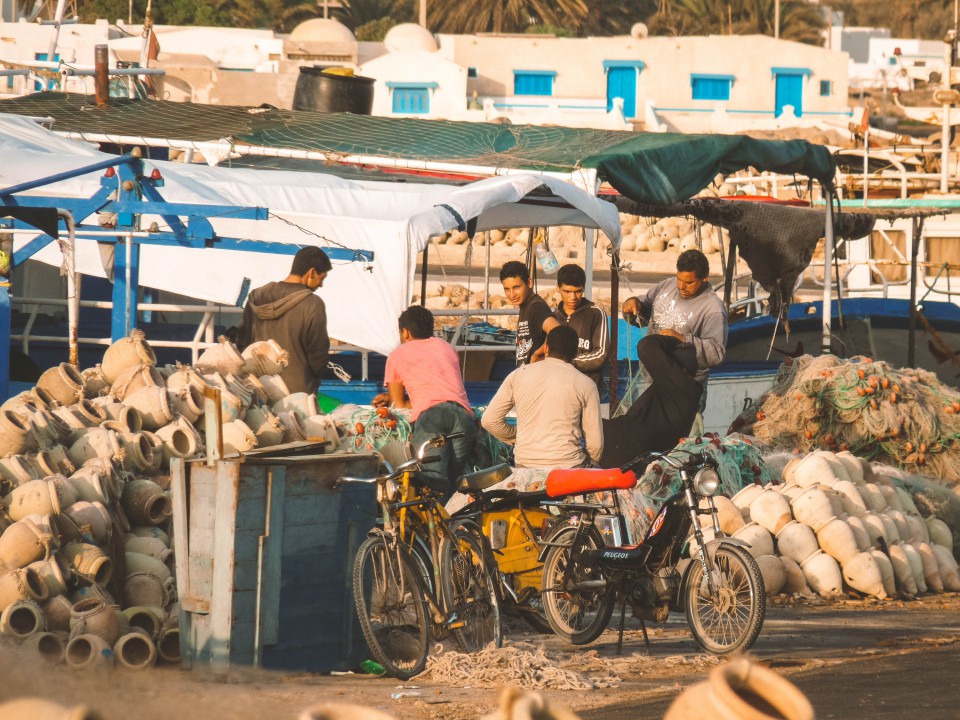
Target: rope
377,428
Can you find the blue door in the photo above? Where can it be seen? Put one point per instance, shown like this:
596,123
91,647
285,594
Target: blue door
790,92
622,83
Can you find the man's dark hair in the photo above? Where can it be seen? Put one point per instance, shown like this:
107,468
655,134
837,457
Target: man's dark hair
694,261
562,343
418,321
572,275
310,257
516,269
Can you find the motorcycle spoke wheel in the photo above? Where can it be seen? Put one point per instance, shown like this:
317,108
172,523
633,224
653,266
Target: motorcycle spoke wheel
578,606
469,592
391,607
729,619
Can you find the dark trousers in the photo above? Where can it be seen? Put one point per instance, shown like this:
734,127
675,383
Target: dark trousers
455,457
666,409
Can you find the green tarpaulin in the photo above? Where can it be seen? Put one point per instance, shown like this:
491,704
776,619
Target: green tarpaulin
656,168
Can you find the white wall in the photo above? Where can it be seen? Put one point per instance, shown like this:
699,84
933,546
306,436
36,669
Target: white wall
447,100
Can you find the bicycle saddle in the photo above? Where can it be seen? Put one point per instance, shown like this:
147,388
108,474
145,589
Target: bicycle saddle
579,481
482,479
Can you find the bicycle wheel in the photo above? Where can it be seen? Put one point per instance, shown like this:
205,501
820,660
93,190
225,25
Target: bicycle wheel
391,607
469,590
578,608
730,619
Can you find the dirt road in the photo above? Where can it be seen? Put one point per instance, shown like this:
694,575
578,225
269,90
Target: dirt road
853,659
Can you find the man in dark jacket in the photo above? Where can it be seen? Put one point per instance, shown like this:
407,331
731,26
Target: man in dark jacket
589,320
291,313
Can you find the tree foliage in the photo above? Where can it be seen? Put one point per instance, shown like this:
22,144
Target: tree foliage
503,16
799,20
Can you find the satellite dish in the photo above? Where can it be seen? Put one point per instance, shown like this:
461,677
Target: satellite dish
639,31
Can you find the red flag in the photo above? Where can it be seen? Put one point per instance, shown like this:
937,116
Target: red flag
865,120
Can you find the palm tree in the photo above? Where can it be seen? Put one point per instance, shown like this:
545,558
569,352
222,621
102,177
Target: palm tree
503,16
799,20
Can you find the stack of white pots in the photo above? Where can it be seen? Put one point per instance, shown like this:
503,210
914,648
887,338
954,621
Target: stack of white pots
838,521
84,479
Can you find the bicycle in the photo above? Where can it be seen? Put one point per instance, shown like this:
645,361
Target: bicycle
421,576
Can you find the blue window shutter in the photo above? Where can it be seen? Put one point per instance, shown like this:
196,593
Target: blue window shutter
711,87
411,100
533,82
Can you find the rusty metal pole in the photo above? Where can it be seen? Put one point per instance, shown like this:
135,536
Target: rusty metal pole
101,77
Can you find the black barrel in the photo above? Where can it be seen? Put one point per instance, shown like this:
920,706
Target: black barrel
325,92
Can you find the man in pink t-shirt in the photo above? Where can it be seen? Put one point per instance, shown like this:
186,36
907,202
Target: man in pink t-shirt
424,374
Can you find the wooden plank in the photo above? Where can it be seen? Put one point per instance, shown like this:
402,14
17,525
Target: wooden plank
181,524
222,600
271,562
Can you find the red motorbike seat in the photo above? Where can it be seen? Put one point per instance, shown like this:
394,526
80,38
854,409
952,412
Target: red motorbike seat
579,481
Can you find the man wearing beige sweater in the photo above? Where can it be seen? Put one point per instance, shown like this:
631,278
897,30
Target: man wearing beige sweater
557,407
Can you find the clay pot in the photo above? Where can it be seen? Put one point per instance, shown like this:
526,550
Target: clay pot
139,562
758,537
16,433
153,404
153,547
93,520
127,416
813,508
237,438
40,709
57,612
836,504
187,401
151,532
862,573
87,592
155,455
275,386
795,583
741,689
265,425
301,403
94,617
774,574
23,584
890,495
822,574
265,357
931,569
88,562
789,470
168,646
177,442
771,510
292,429
57,456
37,497
947,565
49,646
63,382
813,470
126,352
95,383
850,498
939,532
143,589
321,427
24,542
797,541
837,467
836,538
222,358
853,465
22,619
148,620
135,378
906,500
860,533
900,520
52,575
873,497
91,485
728,515
88,652
17,469
901,570
135,651
918,529
890,529
145,503
48,427
916,566
886,571
88,413
95,443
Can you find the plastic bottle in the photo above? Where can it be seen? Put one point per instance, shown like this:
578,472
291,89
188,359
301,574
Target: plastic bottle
373,668
546,258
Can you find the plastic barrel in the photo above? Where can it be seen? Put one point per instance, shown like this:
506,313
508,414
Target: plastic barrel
322,91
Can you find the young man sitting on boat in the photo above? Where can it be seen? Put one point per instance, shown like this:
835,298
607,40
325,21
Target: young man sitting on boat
589,321
557,407
536,319
291,313
423,374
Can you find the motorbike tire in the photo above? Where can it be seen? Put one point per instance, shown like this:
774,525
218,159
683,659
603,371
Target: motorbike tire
729,621
581,615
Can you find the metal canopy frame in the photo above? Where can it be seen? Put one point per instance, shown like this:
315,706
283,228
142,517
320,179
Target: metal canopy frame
128,192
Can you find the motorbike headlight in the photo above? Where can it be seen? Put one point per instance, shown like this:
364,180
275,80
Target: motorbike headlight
706,481
387,491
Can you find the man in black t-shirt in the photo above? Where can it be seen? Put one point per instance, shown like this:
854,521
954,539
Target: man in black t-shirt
536,318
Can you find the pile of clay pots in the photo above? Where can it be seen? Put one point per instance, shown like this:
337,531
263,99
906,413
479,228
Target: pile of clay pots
85,510
838,523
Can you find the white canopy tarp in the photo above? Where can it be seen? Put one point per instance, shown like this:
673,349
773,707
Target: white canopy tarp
394,220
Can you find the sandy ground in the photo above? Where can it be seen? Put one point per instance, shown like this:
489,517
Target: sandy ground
799,637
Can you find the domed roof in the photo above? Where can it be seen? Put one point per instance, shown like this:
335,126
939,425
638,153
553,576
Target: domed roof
409,36
322,30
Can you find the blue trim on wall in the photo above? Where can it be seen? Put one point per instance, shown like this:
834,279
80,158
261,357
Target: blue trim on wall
638,64
551,73
790,71
710,76
413,85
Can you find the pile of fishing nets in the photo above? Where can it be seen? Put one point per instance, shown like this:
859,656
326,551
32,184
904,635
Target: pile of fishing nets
902,417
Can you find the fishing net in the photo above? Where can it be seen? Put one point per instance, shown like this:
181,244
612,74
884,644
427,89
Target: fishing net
901,417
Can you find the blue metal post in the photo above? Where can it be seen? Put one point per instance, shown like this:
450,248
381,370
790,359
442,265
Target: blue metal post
4,340
124,316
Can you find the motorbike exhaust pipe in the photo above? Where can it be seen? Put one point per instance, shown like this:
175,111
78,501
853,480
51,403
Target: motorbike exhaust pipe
653,613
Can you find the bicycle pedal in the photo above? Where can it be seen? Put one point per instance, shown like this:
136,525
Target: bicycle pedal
456,624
